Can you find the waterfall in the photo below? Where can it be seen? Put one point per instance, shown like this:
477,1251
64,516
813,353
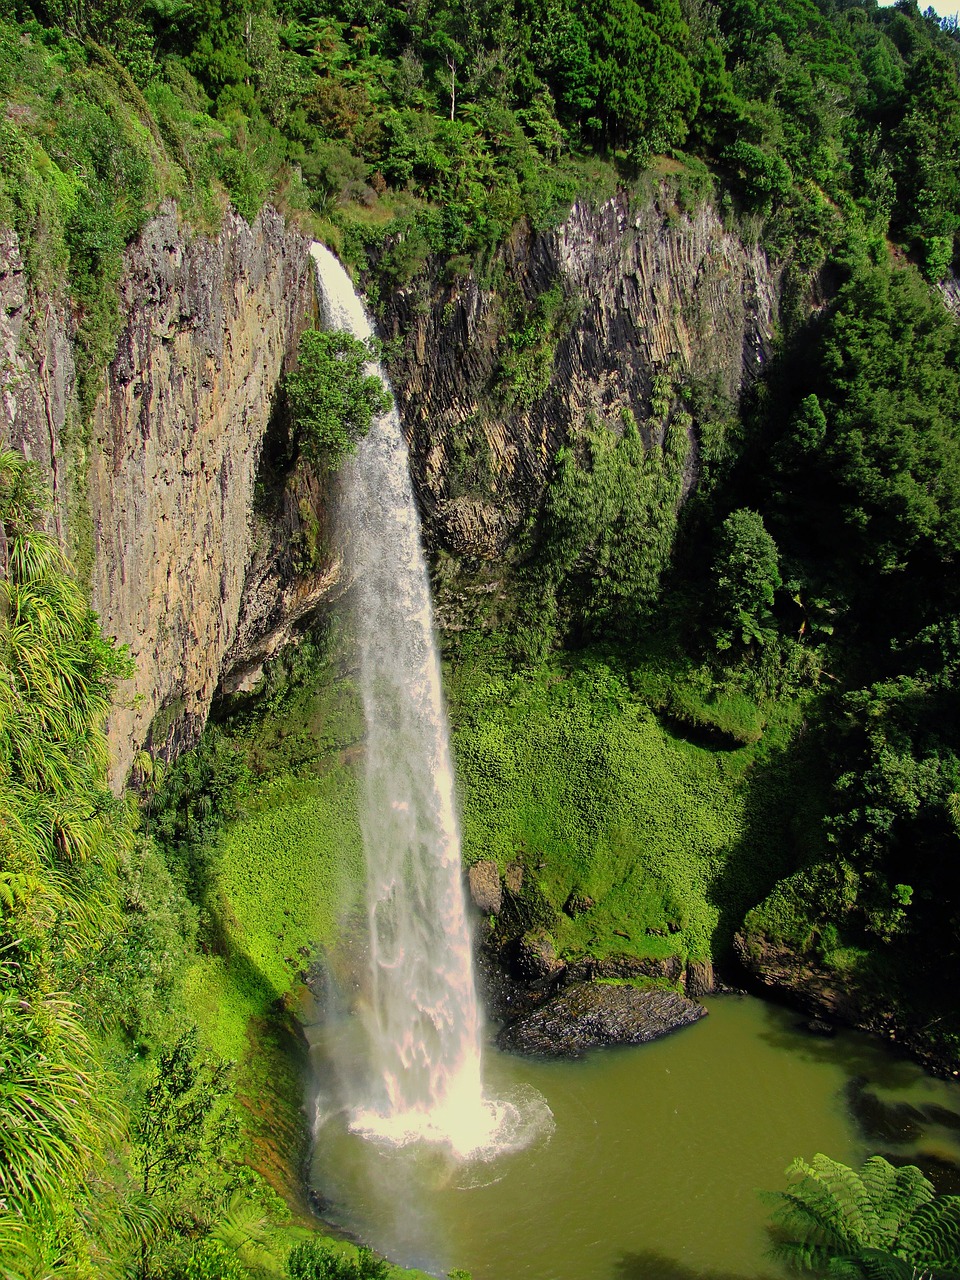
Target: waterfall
421,1016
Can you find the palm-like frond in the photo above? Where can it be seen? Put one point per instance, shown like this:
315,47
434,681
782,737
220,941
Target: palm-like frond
931,1237
47,1100
878,1223
241,1229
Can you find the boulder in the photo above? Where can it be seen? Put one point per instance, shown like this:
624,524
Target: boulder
537,956
577,904
513,877
700,980
627,966
485,888
586,1015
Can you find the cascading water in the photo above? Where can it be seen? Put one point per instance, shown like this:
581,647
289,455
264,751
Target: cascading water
422,1018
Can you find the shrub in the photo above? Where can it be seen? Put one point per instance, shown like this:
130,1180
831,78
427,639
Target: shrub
317,1260
332,399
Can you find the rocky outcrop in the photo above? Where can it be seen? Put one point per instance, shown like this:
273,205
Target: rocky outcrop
798,977
588,1015
38,413
182,569
486,892
177,436
535,956
666,968
645,288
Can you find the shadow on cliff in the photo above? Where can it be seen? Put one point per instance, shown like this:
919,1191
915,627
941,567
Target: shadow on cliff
648,1265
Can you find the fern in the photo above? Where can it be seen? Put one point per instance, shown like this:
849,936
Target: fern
878,1223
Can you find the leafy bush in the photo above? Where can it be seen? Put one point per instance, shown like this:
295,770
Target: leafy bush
317,1260
746,574
332,398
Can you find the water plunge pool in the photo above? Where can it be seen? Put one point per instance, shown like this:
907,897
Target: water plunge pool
651,1167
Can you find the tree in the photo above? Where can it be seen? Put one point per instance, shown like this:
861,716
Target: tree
183,1124
746,574
647,93
332,398
881,1223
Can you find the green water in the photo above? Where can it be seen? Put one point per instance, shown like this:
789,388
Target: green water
655,1157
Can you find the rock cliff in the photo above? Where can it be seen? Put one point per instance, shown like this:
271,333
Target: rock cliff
181,568
157,495
633,288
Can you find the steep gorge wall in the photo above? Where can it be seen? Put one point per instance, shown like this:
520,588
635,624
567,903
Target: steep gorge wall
648,288
185,566
181,569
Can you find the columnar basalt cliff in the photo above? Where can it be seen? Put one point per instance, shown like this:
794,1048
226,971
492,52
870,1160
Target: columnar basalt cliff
157,492
646,288
181,570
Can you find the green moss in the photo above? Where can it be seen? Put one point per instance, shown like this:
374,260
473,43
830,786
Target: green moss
571,771
287,870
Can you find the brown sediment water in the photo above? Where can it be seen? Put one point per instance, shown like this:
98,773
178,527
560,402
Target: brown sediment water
648,1165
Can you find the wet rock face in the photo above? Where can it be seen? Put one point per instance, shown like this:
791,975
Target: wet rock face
588,1015
486,892
644,286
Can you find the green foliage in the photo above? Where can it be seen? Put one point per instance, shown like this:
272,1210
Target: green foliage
860,489
299,832
746,574
318,1260
80,174
48,1112
210,1260
527,363
200,792
567,770
62,839
332,398
888,373
609,521
878,1223
182,1126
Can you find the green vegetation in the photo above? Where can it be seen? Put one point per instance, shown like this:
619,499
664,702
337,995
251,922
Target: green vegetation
608,526
858,487
399,137
317,1261
878,1223
569,770
152,1075
746,576
735,712
332,399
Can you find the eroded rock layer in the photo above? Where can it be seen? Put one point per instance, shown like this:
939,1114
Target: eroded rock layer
644,288
181,569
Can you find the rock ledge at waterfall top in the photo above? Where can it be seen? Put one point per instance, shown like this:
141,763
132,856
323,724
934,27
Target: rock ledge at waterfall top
588,1015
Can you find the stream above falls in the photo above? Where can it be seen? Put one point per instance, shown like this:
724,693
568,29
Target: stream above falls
648,1165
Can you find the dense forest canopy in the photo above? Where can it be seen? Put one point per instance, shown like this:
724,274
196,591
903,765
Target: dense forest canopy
813,568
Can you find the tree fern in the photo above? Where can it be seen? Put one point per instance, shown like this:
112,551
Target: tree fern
878,1223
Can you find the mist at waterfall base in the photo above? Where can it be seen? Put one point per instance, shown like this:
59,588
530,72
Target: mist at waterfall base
415,1076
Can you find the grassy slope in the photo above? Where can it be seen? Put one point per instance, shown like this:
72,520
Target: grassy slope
569,770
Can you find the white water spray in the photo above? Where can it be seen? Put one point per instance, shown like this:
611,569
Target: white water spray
422,1020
